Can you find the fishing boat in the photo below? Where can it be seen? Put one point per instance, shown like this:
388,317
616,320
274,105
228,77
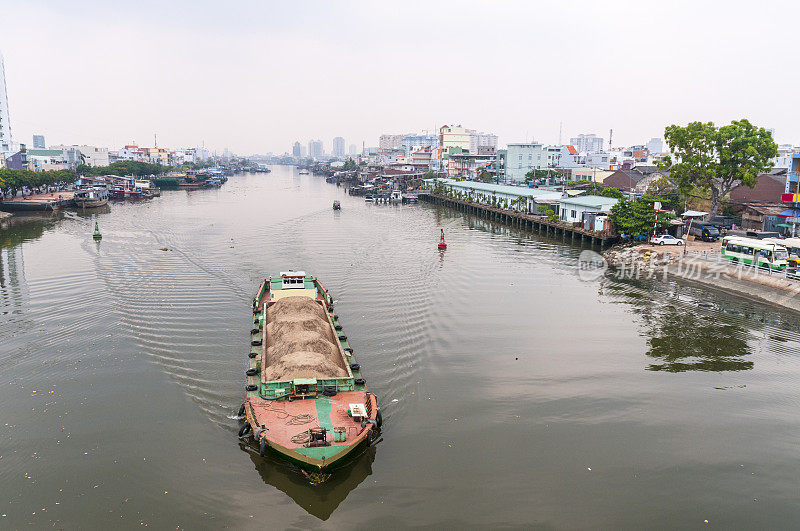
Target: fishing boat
306,398
369,197
337,205
396,196
95,196
303,172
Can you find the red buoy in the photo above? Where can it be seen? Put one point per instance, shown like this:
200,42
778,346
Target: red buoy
442,244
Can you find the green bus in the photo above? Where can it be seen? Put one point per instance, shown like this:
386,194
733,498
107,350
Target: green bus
749,251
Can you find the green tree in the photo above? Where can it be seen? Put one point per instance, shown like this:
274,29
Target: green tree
611,192
485,177
129,167
718,159
638,217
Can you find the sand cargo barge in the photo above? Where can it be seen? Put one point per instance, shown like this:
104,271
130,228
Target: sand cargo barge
306,398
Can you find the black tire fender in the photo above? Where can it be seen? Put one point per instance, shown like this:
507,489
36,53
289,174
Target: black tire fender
241,411
262,446
379,418
244,430
369,437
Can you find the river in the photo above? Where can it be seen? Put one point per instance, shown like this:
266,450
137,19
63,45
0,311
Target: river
514,393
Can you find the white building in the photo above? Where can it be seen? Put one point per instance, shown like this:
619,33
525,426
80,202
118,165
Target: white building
564,157
573,209
784,158
600,160
338,147
90,155
587,143
655,146
48,160
522,158
479,140
5,119
315,150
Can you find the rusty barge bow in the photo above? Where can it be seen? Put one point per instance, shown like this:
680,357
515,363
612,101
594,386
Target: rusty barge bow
306,398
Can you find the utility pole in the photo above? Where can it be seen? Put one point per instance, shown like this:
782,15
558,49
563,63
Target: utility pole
560,126
610,137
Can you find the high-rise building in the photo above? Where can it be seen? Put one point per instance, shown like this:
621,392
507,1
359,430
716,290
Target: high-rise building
352,150
389,141
38,142
5,119
338,147
482,140
587,143
297,150
414,142
315,149
655,146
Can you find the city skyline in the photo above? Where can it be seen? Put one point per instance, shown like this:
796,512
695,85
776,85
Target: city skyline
263,99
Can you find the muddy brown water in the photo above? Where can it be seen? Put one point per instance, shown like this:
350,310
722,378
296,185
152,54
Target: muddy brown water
514,393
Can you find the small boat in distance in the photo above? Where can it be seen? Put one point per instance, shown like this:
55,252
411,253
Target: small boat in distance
396,196
306,397
303,172
442,245
337,205
369,197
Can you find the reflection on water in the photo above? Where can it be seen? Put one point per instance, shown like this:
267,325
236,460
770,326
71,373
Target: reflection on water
318,500
683,341
683,335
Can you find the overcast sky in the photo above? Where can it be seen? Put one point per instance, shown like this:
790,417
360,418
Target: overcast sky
255,76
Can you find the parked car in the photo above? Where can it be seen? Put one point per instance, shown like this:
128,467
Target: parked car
666,239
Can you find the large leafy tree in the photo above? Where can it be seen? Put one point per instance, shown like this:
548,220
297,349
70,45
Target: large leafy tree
128,167
638,217
718,159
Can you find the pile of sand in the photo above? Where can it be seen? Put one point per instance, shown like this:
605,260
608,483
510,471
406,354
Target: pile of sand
300,342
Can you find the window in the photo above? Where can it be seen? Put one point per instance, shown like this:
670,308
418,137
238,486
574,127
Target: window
574,214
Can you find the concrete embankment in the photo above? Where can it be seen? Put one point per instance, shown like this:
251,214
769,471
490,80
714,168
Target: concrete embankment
707,269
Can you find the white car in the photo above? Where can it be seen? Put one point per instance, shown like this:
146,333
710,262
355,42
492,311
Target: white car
666,239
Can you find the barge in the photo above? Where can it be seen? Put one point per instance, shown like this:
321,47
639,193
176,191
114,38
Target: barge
39,202
306,398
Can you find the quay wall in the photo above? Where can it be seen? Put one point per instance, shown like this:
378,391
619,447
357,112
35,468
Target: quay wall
774,288
523,221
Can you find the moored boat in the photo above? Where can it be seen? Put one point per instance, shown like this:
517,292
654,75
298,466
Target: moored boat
93,197
337,205
306,397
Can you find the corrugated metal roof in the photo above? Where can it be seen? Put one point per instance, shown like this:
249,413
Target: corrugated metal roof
44,152
500,189
595,201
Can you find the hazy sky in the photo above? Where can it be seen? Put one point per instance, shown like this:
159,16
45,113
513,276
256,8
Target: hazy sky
255,76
